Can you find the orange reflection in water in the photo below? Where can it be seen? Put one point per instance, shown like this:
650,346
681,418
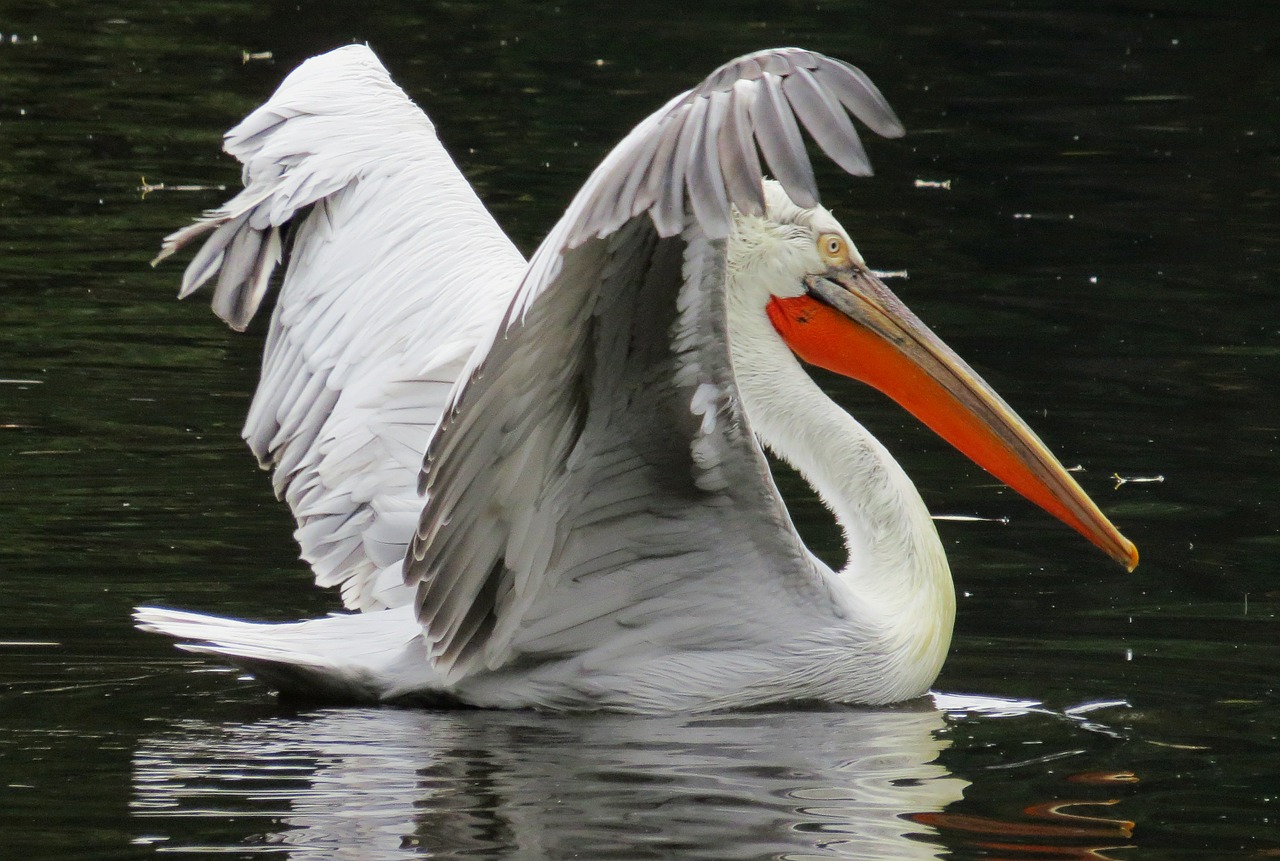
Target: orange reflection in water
1050,829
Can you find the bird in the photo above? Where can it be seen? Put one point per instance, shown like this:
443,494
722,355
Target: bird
544,483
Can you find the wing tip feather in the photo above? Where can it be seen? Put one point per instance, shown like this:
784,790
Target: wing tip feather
835,90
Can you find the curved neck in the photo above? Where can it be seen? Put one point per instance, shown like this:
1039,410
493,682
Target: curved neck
897,573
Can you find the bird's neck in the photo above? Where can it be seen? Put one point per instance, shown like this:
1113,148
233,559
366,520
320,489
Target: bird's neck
897,573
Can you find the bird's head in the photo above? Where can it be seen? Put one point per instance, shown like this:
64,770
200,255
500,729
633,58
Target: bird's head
800,267
773,252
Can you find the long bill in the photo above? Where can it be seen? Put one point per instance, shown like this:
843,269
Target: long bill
849,322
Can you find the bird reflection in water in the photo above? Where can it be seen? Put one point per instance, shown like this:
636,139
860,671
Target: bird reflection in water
390,783
384,783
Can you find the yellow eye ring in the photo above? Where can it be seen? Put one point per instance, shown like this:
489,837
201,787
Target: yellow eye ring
833,246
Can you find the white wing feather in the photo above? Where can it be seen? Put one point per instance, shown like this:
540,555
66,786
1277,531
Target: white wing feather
396,272
596,491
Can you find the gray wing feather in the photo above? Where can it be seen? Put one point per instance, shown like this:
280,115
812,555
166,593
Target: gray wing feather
822,115
594,486
781,143
771,95
396,273
659,182
855,91
710,208
737,149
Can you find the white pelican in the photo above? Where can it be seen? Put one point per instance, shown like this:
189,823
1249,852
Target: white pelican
595,525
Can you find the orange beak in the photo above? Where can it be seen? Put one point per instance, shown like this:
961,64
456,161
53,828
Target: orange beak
851,323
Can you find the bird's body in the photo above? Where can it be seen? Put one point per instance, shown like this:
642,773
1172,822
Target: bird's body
598,526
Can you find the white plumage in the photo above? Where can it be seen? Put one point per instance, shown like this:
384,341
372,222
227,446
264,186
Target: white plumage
598,526
396,272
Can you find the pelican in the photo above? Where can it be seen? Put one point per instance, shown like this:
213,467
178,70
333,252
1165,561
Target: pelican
543,484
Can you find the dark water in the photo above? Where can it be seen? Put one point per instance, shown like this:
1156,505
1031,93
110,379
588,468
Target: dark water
1106,255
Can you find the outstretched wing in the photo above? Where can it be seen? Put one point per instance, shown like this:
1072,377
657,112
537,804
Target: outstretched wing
396,272
597,485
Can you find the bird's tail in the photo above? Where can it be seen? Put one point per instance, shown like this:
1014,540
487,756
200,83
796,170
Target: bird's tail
362,657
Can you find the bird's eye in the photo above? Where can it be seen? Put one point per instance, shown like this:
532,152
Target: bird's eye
832,246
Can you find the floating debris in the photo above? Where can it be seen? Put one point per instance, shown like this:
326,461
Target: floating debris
885,275
252,57
1045,216
1135,479
146,187
21,382
1079,467
944,185
1103,778
971,518
1173,746
1097,705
